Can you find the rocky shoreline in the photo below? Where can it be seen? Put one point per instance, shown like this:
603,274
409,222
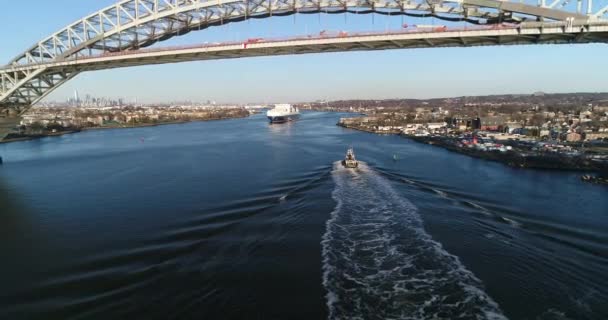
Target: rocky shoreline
520,159
17,137
366,129
513,158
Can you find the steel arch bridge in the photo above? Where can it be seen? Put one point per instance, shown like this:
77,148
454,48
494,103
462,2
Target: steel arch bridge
100,40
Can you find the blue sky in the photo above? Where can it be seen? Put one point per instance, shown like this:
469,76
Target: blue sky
420,73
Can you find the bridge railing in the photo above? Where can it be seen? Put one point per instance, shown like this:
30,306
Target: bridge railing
246,42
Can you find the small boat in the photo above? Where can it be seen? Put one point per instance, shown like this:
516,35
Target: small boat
350,161
595,179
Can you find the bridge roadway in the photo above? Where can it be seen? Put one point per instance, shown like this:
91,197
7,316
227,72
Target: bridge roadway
526,33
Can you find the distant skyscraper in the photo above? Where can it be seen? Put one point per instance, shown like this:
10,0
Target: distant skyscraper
76,97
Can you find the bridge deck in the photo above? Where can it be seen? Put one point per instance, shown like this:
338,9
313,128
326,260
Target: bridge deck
556,33
36,80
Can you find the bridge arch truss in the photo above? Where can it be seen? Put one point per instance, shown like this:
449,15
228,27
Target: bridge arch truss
135,24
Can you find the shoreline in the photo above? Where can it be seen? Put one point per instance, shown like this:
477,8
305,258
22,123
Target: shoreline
512,159
145,125
515,159
39,136
389,132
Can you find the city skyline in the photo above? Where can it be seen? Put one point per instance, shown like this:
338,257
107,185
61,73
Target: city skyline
420,73
87,96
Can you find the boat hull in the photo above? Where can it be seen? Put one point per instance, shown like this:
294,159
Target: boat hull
283,119
351,164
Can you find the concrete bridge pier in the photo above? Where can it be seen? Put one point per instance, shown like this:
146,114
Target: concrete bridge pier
6,127
7,124
10,117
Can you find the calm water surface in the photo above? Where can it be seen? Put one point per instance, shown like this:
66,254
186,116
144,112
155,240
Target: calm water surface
239,219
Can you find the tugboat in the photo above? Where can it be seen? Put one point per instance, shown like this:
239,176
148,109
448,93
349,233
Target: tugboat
350,161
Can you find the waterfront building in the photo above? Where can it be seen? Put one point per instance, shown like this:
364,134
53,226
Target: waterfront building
493,123
596,135
513,126
476,124
573,137
436,125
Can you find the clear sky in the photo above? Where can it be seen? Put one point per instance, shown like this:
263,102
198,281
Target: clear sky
419,73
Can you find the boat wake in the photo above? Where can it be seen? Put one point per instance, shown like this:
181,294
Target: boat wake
378,261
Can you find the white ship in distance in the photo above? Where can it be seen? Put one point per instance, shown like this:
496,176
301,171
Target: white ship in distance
283,113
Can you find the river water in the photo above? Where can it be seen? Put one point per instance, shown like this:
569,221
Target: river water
239,219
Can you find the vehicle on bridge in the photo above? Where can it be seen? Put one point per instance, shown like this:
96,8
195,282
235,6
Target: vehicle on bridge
427,27
252,41
329,33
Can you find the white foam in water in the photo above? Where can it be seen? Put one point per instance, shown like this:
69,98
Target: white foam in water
440,193
409,181
511,222
480,208
379,262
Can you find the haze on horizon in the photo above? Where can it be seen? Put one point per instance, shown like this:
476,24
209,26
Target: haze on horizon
419,73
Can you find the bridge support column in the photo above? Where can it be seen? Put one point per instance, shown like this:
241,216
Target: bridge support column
8,121
7,125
